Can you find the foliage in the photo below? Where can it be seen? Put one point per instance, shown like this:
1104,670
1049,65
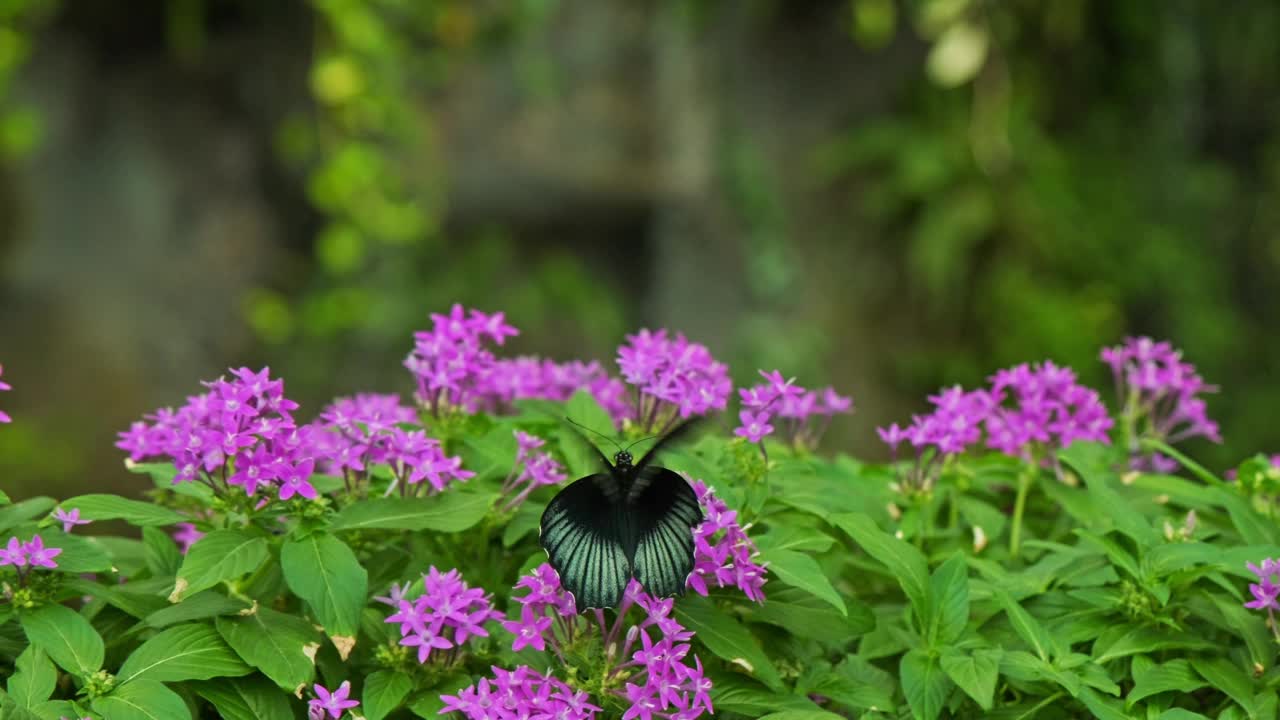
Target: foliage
825,587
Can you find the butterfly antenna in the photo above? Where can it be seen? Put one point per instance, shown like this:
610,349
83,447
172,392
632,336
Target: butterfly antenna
637,442
597,432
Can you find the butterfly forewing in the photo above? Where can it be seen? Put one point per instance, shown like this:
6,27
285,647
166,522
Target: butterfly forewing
663,510
584,536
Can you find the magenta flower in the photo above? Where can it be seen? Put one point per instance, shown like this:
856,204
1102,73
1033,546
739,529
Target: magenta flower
675,378
520,693
528,630
334,703
446,615
1266,591
531,471
186,536
755,426
792,406
14,554
31,554
4,417
69,519
723,554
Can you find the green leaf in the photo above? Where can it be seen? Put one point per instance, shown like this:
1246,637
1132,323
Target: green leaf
976,672
948,601
1227,677
1027,627
451,512
429,704
68,638
101,506
1101,707
803,715
282,646
1092,462
20,512
162,555
580,457
1124,640
322,570
202,605
732,693
34,679
384,691
246,698
1181,714
924,684
525,521
1165,559
57,710
186,652
802,614
904,561
799,539
142,700
1173,676
803,572
79,554
220,556
727,638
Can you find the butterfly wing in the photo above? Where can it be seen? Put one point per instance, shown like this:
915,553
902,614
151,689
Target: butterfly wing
584,539
663,510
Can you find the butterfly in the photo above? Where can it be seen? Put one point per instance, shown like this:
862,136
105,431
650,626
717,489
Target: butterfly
631,520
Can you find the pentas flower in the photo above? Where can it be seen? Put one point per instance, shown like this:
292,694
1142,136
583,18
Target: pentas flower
508,380
647,664
532,469
4,417
1161,398
443,617
240,433
186,536
1266,591
69,519
723,554
792,406
26,556
333,703
520,693
673,378
354,434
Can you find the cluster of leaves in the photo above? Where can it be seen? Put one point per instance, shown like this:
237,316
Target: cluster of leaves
1123,599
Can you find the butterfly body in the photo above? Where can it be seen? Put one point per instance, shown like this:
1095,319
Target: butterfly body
628,521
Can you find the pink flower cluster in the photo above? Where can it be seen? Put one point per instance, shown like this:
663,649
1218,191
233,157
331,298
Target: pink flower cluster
1267,589
354,434
241,432
333,704
1025,405
4,417
782,399
454,368
723,554
647,658
674,378
30,554
520,693
1163,393
530,471
444,616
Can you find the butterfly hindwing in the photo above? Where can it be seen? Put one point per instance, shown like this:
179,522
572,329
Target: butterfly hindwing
582,533
663,510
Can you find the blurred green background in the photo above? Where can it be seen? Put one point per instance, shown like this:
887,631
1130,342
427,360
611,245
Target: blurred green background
884,195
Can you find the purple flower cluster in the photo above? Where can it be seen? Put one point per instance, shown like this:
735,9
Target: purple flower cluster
332,703
444,616
723,554
24,556
353,434
1025,406
4,417
1161,397
1266,591
645,660
454,368
530,471
241,432
520,693
795,406
673,378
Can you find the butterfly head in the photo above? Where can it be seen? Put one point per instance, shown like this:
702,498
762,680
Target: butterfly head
622,460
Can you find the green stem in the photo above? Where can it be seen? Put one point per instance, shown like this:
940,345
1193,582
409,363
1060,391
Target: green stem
1196,468
1019,507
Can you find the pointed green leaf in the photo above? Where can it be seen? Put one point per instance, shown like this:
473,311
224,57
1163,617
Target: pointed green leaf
903,560
384,691
802,614
803,715
142,700
1092,462
246,698
803,572
34,679
67,637
202,605
187,652
924,684
282,646
322,570
20,512
1027,627
220,556
162,555
101,506
1173,676
1124,640
727,638
451,512
1227,677
975,672
948,601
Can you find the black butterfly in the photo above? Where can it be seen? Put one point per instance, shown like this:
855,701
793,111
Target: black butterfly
628,521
